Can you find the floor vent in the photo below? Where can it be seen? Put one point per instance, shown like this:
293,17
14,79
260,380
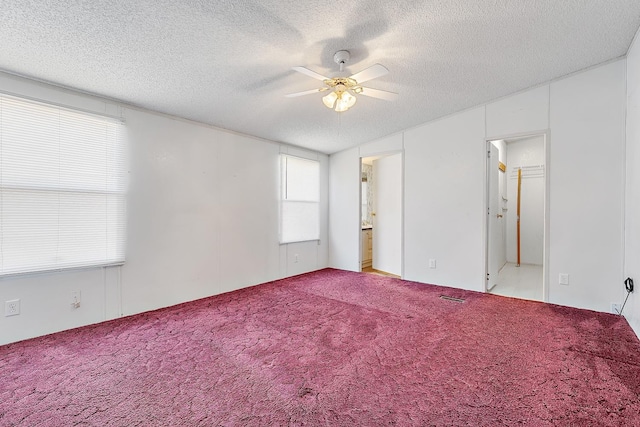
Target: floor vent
451,298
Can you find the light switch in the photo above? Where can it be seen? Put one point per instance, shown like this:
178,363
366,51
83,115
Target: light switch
564,279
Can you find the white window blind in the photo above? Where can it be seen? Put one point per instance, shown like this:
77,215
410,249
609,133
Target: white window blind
62,188
300,199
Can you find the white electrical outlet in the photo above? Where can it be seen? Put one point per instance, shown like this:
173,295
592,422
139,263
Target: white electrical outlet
564,279
295,258
432,263
12,308
75,299
615,308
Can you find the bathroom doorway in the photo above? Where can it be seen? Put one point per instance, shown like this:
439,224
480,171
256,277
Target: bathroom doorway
381,214
517,217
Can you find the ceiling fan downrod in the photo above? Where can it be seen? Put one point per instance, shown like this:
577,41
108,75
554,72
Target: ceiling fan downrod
341,57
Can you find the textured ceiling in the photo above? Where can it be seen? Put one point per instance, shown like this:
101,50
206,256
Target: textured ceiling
228,63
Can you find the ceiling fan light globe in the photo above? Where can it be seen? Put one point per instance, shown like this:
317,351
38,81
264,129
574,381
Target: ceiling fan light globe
345,101
349,99
330,100
342,104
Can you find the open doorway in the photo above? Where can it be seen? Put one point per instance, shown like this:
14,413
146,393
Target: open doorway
381,215
516,217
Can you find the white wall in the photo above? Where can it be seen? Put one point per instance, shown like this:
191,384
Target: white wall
632,214
344,213
202,220
344,198
387,145
521,153
445,184
444,170
521,113
587,115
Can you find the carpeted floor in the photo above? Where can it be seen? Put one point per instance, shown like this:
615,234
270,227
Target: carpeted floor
331,348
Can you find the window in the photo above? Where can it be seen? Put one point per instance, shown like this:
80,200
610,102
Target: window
300,199
62,188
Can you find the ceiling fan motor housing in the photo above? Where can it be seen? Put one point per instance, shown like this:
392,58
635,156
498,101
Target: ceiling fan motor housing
341,57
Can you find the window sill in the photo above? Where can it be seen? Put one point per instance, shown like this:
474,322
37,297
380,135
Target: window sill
58,270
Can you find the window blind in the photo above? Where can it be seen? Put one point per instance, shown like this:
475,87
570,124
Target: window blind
300,199
62,188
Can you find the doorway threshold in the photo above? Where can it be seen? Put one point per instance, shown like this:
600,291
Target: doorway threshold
371,270
524,282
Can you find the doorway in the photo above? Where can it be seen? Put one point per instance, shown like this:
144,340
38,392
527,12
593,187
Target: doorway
381,214
517,217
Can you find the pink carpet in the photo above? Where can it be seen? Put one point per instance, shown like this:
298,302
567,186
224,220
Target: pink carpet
331,348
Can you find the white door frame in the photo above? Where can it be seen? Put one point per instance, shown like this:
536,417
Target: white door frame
546,134
491,198
382,154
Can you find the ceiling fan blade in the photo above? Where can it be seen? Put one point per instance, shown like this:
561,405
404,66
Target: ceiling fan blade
380,94
307,92
373,72
310,73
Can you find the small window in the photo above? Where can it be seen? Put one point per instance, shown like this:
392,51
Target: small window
300,199
62,188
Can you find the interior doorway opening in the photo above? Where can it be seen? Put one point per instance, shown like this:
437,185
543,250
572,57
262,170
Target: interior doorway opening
381,214
517,217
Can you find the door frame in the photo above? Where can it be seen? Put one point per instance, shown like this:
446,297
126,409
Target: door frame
489,216
546,134
402,178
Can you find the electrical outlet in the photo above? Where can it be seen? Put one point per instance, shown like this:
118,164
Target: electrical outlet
75,299
432,263
564,279
12,308
295,258
615,308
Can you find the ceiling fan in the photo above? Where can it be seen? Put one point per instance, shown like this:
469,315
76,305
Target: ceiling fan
343,90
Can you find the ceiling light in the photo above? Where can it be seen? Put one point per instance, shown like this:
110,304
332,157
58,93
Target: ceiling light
330,99
343,90
345,101
342,100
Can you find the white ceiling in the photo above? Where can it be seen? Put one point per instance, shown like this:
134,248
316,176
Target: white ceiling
228,63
